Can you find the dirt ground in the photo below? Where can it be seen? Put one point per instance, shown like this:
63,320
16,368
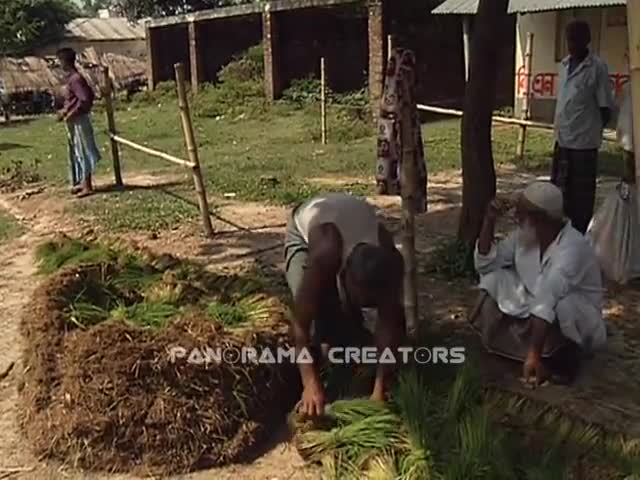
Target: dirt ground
250,235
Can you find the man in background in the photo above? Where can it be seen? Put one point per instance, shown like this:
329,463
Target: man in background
583,109
84,154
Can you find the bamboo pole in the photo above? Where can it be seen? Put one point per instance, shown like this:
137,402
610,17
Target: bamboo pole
192,149
150,151
407,185
323,100
633,22
497,119
466,41
111,125
526,101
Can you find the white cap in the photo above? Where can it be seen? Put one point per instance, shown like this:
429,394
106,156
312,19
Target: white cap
547,197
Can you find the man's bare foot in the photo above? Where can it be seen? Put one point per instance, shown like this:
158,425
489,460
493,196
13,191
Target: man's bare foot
77,189
84,193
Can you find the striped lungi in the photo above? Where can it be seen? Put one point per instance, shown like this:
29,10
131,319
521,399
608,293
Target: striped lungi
84,154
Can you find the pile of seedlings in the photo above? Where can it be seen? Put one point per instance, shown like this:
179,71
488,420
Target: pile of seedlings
446,426
103,389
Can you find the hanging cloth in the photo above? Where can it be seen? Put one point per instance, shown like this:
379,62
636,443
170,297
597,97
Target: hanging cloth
399,95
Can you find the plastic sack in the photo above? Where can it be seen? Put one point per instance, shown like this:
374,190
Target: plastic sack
615,235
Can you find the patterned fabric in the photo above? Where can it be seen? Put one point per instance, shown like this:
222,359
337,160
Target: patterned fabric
575,172
84,154
398,96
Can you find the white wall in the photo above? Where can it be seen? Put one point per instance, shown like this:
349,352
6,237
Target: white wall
609,42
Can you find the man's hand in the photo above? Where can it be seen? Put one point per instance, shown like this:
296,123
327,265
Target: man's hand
533,371
60,115
312,403
494,209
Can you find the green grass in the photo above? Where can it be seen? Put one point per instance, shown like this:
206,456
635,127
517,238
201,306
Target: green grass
9,227
238,149
54,255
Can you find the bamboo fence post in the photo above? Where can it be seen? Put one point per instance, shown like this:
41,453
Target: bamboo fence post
323,100
192,149
633,22
111,125
526,101
407,183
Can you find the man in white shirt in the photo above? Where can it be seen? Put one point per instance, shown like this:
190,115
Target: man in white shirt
583,109
542,292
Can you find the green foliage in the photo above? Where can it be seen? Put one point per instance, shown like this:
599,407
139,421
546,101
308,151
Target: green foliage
227,315
92,7
27,24
146,314
9,228
53,255
450,429
18,174
138,9
451,259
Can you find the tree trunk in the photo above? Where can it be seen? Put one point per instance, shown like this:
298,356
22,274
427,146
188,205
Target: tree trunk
478,173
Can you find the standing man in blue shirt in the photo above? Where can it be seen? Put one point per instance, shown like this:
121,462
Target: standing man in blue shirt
583,109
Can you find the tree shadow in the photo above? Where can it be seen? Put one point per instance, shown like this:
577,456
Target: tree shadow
16,122
112,188
6,146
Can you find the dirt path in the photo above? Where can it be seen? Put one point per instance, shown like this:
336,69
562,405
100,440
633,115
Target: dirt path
43,214
18,279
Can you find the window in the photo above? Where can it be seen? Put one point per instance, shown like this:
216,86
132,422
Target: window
593,16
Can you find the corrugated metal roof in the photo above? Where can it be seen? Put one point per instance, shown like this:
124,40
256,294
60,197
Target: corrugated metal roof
457,7
530,6
94,29
470,7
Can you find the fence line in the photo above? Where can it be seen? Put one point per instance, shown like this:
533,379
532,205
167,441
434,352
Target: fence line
187,127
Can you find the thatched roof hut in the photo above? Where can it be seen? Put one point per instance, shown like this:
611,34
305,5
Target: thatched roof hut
38,74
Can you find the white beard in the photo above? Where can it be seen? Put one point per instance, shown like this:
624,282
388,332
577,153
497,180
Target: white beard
527,237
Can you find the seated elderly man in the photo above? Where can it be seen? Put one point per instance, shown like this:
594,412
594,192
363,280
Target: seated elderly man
542,295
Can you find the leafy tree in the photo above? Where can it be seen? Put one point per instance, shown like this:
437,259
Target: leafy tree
136,9
27,24
92,7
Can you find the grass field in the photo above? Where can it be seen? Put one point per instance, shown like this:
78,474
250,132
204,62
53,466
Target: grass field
9,228
238,150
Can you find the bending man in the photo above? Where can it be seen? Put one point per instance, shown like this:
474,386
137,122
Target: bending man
541,288
339,259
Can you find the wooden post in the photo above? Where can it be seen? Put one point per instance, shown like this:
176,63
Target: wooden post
389,47
466,42
407,183
152,58
526,101
195,58
633,22
323,100
111,125
192,149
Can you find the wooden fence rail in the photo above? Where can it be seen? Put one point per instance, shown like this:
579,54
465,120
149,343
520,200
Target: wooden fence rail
187,127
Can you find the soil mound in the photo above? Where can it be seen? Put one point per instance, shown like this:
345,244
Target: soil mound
114,396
